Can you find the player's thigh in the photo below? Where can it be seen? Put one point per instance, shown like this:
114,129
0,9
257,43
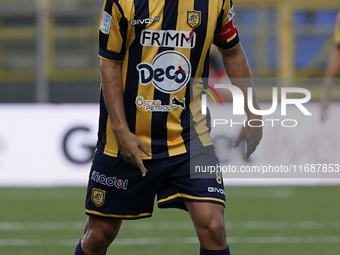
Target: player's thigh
101,229
208,219
206,215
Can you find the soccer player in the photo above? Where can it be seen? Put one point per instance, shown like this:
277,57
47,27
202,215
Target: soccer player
332,71
150,124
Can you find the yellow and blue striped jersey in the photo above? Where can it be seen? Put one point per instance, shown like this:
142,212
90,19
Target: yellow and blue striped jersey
162,45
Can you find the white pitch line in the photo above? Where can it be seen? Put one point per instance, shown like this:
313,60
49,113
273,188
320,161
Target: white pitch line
184,241
285,239
19,226
176,225
282,225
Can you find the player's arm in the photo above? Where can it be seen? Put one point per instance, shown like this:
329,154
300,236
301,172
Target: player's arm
237,67
128,143
236,64
112,34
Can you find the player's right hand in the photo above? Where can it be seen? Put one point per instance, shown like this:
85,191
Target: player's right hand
129,146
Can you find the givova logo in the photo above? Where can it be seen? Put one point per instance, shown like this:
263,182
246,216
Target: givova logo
169,72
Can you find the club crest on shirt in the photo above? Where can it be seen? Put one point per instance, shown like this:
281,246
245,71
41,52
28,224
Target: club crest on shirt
98,197
194,18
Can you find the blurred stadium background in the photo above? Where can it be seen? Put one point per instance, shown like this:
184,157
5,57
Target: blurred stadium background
49,83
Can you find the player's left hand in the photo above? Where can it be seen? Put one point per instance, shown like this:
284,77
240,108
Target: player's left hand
253,135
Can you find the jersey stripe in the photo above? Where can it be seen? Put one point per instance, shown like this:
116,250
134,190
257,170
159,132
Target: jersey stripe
111,147
144,118
129,39
159,119
135,50
103,117
176,134
200,120
115,42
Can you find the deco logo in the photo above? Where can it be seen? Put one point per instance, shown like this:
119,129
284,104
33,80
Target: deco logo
169,72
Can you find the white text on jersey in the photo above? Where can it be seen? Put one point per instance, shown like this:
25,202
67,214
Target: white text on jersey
168,38
144,21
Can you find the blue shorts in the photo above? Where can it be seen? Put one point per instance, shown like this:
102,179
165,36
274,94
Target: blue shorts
116,189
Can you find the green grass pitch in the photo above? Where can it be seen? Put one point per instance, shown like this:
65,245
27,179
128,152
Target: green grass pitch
260,221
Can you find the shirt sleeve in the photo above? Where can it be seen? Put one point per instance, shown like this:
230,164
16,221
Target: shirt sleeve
337,31
226,35
112,31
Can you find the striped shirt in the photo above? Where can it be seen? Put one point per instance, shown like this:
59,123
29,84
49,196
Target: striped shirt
163,45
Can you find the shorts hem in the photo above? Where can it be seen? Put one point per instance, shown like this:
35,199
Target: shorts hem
162,203
119,216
